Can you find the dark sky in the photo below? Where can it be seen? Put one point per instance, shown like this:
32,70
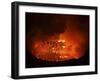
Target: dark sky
52,23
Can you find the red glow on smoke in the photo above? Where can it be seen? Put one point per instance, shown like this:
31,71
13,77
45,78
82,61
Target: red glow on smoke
68,45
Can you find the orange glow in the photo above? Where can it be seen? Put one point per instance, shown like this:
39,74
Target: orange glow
70,44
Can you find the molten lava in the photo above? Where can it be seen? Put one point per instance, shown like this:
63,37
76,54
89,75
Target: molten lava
65,46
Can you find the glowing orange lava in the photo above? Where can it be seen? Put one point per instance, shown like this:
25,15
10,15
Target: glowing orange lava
61,47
